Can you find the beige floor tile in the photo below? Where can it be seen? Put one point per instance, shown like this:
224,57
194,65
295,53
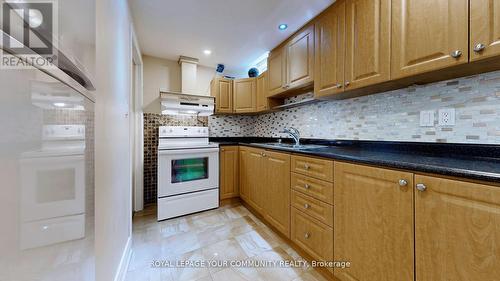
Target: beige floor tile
189,273
228,233
228,274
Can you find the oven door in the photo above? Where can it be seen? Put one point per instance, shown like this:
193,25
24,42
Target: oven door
52,187
187,170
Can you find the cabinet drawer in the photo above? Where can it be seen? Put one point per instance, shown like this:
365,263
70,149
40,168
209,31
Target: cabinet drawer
321,190
313,167
312,236
313,207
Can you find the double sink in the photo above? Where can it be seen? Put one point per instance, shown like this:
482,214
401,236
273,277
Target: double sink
289,146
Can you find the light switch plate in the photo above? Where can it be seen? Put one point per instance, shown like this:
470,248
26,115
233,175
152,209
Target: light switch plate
427,118
447,117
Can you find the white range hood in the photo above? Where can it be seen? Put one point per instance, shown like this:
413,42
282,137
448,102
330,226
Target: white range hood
187,102
173,103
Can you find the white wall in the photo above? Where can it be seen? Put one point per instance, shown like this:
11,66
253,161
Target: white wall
166,74
112,146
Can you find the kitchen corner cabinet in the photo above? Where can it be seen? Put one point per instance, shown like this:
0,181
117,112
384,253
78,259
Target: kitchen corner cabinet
245,95
484,29
373,223
222,90
457,227
330,51
265,185
229,166
300,59
429,35
262,90
292,66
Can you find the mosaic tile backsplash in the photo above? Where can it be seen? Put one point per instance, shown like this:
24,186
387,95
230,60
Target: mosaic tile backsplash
389,116
151,123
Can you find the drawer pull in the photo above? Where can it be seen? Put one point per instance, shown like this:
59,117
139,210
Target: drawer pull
307,206
306,186
307,235
306,166
421,187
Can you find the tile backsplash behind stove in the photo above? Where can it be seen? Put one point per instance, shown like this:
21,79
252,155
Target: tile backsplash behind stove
389,116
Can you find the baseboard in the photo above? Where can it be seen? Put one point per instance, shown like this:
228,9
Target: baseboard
121,273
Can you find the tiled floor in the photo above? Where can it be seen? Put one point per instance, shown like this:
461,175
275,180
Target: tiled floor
227,233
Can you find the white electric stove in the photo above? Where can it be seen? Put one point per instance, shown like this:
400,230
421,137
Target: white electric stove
188,171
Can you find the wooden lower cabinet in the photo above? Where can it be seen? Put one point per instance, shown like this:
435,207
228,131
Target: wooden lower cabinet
457,230
373,223
312,236
265,185
276,185
229,166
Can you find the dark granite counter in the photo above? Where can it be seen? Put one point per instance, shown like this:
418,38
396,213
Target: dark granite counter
478,162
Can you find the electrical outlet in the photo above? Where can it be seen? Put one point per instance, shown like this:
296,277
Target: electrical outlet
447,117
427,118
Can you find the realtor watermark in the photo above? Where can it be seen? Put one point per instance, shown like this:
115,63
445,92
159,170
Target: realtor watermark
247,264
30,32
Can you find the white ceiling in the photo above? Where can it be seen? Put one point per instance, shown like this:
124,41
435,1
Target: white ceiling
236,31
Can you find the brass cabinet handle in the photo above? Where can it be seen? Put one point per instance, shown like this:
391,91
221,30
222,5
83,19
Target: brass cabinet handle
306,206
222,149
306,166
307,235
338,86
456,54
347,83
479,47
306,186
402,182
421,187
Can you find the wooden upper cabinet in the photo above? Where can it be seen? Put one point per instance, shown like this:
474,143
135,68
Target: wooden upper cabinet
262,89
428,35
276,71
229,177
300,59
373,222
330,51
484,29
368,42
245,95
457,230
222,90
277,190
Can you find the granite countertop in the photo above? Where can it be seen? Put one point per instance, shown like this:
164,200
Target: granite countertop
478,162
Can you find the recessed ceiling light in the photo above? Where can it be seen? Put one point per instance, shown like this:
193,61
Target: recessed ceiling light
59,104
207,52
283,26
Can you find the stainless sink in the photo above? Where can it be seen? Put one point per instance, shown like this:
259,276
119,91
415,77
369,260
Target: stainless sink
290,145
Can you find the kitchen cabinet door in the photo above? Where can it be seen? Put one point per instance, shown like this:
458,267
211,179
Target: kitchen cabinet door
373,223
300,59
222,90
330,51
484,29
428,35
368,43
276,190
457,227
245,95
262,103
244,177
255,171
276,69
229,177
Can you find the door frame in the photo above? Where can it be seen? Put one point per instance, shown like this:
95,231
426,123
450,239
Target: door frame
136,124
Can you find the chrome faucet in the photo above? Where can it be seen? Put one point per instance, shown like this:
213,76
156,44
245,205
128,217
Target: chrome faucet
294,133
